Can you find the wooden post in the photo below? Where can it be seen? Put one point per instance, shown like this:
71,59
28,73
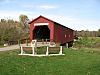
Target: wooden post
21,50
26,42
66,45
42,41
19,43
46,41
47,51
60,50
33,49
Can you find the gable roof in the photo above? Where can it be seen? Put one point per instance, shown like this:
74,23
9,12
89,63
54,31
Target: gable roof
48,20
40,17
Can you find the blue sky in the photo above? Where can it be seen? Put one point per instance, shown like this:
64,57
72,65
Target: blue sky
76,14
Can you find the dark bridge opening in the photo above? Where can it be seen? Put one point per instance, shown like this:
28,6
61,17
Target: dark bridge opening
41,32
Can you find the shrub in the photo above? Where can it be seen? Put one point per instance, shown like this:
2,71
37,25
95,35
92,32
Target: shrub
85,42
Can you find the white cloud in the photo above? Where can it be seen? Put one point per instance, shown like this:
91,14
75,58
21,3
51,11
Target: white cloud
27,6
47,7
14,14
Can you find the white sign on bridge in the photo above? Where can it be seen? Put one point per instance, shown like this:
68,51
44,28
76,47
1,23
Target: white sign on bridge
40,24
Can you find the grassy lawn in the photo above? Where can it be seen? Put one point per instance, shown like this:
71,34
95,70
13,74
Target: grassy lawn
75,62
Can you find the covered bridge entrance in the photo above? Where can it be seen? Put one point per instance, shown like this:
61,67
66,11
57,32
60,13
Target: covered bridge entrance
41,32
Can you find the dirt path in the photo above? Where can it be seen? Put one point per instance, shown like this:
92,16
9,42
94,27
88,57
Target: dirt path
12,47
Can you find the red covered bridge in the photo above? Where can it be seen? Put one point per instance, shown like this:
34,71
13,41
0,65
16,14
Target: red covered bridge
44,28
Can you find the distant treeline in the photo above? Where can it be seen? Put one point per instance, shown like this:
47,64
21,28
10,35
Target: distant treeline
11,30
87,33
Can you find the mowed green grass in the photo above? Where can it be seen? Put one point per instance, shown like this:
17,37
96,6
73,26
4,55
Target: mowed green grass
75,62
